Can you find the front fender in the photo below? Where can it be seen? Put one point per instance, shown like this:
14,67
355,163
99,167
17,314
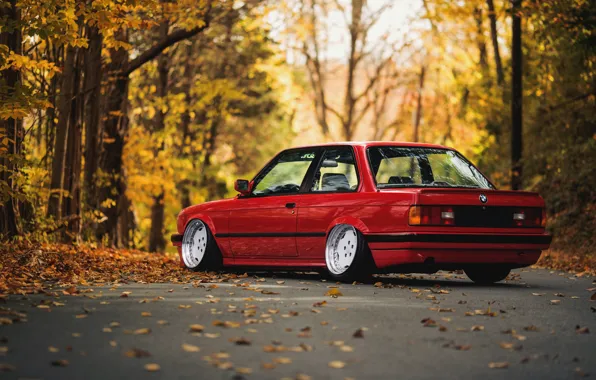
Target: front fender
184,219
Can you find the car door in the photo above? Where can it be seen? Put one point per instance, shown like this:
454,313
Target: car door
264,223
331,193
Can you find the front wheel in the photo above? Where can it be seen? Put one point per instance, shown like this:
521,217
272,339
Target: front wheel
199,249
486,274
347,255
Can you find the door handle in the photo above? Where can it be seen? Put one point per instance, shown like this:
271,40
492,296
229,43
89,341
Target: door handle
290,205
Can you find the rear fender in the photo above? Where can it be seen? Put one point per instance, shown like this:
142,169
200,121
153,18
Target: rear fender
357,223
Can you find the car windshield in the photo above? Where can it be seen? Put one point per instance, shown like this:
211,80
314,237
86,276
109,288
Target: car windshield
395,167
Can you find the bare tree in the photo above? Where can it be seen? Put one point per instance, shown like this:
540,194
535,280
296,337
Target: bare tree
359,20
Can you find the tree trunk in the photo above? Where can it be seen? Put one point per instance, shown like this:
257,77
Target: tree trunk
418,115
64,108
112,146
12,127
480,41
157,241
495,42
71,206
184,186
516,96
93,75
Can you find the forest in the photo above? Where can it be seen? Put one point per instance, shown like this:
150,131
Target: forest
116,114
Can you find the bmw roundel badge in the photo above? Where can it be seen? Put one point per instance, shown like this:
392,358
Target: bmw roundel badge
483,198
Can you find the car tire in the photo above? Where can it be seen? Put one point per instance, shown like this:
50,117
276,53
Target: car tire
347,256
486,275
199,249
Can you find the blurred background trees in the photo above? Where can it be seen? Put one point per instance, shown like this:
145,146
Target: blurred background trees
115,114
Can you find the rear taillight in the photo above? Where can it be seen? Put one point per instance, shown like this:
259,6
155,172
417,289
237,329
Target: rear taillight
431,216
529,217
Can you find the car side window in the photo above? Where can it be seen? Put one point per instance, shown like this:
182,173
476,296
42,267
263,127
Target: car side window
285,174
336,171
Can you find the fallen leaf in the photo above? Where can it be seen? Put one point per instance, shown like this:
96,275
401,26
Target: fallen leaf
197,328
282,360
60,363
4,367
143,331
498,365
244,370
346,348
152,367
334,292
531,328
593,297
53,349
137,353
125,294
582,330
241,341
145,314
555,302
190,348
477,328
337,364
428,322
358,333
227,324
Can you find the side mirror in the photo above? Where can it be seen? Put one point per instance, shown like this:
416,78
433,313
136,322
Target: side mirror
242,186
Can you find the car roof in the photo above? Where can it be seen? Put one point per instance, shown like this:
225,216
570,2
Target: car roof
376,143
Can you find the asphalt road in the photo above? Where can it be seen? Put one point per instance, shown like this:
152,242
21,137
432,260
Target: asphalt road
94,335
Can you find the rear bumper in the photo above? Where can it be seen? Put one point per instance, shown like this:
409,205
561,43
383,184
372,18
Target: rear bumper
456,249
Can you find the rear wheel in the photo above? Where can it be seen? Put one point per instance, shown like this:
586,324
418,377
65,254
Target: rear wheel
487,274
347,255
199,250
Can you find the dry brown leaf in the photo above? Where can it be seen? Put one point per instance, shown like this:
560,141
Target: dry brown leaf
555,302
190,348
358,333
582,330
152,367
244,370
337,364
241,341
334,292
60,363
145,314
137,353
498,365
197,328
282,360
143,331
53,349
477,328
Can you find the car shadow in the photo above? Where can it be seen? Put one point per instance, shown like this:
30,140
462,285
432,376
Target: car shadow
397,280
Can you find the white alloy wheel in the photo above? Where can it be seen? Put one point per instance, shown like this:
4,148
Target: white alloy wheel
194,244
341,249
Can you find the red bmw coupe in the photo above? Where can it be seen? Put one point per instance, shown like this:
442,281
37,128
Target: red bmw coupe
351,209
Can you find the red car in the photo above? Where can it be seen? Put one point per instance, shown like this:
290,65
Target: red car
352,209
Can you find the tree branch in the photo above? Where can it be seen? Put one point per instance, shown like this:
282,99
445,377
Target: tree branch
171,39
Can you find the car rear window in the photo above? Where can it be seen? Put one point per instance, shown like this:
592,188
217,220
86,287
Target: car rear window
423,167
